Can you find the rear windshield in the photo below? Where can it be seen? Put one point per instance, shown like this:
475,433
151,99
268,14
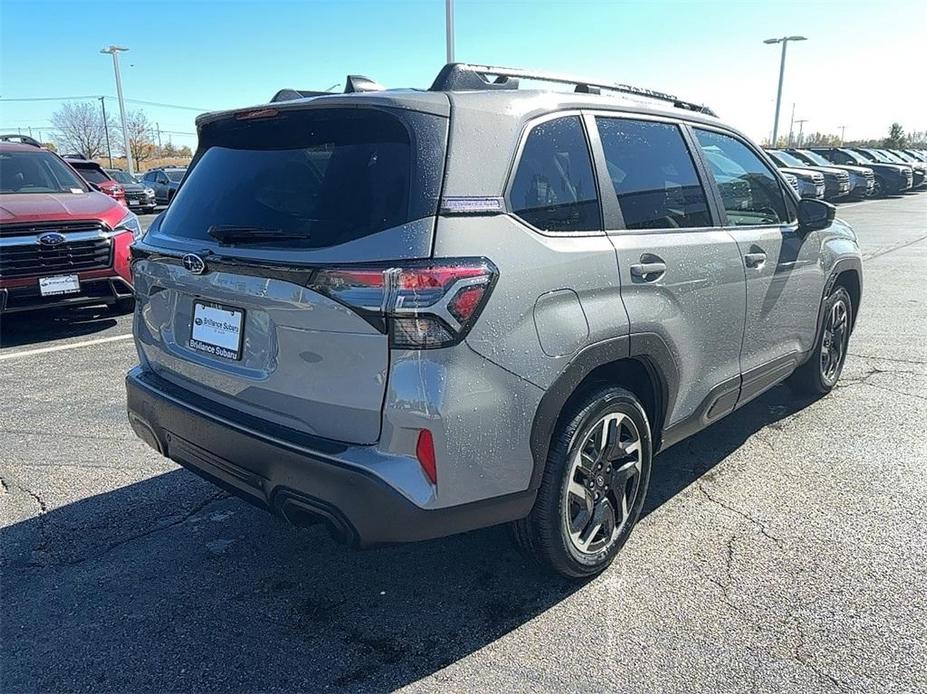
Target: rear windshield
322,177
92,174
174,176
37,172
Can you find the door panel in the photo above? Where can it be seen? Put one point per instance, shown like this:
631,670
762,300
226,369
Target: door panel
681,279
784,277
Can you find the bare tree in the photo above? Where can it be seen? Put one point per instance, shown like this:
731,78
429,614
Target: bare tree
81,129
896,137
141,136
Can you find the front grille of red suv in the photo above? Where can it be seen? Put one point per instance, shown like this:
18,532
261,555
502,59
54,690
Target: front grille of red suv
30,258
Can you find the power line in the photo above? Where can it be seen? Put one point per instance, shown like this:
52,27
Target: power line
98,96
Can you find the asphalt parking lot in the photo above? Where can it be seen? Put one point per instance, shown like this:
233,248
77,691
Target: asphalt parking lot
783,549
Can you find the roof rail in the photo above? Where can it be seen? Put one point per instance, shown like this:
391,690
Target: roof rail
465,76
24,139
352,84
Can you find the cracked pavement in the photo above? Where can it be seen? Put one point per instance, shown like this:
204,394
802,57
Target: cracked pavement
784,549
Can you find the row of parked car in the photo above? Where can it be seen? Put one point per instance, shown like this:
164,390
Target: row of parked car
851,173
141,193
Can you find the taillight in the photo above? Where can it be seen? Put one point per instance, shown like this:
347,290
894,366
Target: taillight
423,305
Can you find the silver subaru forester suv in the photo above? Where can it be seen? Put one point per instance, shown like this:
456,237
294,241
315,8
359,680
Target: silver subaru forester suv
412,313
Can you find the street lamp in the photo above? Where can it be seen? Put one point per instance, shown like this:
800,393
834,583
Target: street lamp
449,28
785,42
115,51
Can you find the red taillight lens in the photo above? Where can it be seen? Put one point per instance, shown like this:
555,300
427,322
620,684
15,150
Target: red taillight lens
426,305
425,452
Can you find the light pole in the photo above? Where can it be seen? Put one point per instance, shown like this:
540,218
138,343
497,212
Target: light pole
785,42
115,51
843,130
449,29
109,150
801,130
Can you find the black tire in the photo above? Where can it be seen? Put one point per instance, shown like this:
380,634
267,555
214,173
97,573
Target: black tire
122,306
545,534
819,375
878,188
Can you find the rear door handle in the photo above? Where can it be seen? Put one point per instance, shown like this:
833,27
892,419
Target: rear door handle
649,271
754,260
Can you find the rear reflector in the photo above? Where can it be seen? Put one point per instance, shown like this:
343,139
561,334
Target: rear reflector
425,452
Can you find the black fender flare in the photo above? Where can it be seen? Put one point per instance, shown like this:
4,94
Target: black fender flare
838,268
647,348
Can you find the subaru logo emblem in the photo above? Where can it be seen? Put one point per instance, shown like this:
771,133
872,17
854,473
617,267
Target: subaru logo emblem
194,263
52,238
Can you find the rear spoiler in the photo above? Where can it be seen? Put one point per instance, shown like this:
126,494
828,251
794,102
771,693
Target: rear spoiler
353,84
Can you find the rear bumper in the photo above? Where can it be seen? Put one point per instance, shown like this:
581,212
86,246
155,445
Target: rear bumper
297,476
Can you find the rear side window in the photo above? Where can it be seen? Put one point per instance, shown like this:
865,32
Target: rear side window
749,189
554,188
653,174
319,177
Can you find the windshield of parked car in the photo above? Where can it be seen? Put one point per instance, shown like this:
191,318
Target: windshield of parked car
857,157
92,174
875,155
786,159
121,176
813,157
37,172
175,176
892,157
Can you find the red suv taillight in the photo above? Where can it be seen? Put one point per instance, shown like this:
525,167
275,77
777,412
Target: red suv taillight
423,305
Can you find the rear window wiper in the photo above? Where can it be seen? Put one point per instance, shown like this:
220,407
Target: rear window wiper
227,233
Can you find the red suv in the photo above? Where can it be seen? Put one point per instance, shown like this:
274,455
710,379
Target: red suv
61,242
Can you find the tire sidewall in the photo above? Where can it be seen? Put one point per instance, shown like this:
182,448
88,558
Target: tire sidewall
839,293
580,425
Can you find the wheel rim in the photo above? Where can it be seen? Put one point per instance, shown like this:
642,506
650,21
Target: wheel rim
834,341
602,483
877,187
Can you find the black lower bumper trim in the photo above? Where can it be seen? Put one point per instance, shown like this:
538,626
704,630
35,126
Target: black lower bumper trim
301,484
97,291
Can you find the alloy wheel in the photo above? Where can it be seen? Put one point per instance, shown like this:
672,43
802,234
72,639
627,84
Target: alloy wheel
603,483
834,341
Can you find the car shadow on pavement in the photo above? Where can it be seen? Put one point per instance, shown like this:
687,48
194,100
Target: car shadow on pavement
30,328
169,585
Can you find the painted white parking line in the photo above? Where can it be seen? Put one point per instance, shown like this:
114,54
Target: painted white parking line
857,204
60,348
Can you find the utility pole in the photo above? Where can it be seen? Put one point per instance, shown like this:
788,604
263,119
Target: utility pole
109,150
449,29
791,125
801,128
115,51
843,130
785,42
158,129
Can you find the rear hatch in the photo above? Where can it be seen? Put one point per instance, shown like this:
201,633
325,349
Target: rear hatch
274,197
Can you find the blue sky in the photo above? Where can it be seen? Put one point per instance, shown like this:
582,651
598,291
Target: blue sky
863,65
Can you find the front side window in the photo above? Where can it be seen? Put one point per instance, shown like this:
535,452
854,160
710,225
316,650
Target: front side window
653,175
749,190
554,188
174,176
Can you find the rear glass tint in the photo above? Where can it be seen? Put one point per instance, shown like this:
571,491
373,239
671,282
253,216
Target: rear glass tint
331,175
554,188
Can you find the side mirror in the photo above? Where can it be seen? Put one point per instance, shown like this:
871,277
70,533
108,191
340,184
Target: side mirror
815,214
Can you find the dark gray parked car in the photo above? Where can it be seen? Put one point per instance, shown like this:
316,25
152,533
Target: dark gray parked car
414,313
164,182
139,198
